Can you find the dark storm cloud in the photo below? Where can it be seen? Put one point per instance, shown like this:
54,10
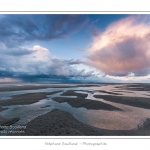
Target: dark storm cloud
73,62
39,62
17,29
4,73
17,60
17,51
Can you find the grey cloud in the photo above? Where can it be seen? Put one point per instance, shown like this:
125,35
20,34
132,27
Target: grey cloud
17,29
73,62
17,51
39,62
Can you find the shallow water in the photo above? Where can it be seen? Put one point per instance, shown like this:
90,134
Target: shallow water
127,119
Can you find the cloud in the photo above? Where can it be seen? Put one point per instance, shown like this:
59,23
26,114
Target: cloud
39,62
19,61
18,29
123,48
74,62
6,80
16,51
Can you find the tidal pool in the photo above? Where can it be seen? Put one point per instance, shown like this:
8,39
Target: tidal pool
128,119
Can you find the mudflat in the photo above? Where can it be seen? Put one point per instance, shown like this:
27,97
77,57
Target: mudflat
25,99
42,86
1,109
86,103
7,121
61,123
141,102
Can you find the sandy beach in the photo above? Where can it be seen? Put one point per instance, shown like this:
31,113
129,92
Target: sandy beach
141,102
60,123
7,121
12,87
85,103
56,112
137,87
25,99
1,109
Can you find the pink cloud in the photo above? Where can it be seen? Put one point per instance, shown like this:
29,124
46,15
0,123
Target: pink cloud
124,47
5,80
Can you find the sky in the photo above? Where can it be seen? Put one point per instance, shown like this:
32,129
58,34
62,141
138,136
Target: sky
75,48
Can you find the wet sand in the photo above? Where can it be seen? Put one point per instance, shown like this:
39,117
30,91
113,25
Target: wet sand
73,93
20,88
137,87
101,91
1,109
45,106
60,123
26,99
7,121
35,87
86,103
80,101
141,102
